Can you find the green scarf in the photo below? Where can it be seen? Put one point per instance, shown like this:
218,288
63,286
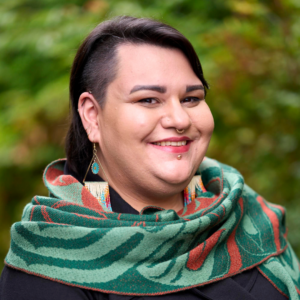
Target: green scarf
70,238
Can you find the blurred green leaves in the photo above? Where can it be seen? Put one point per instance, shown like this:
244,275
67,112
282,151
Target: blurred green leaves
251,58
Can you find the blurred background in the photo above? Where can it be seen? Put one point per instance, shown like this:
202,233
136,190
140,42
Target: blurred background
251,58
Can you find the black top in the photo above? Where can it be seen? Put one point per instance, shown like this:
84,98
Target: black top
248,285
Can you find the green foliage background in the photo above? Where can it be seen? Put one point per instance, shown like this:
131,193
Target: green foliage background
251,57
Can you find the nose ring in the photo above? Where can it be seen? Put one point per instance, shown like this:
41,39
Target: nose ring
180,131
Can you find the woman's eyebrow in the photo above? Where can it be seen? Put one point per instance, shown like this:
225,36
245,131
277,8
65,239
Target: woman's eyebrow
163,89
191,88
156,88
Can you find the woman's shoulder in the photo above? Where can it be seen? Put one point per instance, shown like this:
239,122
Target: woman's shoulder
15,285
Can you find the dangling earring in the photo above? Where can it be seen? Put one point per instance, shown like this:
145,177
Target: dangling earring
95,166
99,189
193,190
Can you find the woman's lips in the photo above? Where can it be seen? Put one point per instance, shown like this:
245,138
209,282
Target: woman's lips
174,149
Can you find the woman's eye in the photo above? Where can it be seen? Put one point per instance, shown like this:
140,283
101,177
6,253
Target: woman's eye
191,100
148,101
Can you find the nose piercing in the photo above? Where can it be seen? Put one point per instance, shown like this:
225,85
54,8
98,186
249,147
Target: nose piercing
180,131
179,157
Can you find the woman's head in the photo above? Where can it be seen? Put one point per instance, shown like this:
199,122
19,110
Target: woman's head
95,66
127,61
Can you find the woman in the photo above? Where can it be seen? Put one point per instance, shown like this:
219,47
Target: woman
136,211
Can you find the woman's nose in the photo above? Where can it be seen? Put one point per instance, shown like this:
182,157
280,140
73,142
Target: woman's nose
176,116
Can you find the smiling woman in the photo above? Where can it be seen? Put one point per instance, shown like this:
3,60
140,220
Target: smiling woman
136,209
145,104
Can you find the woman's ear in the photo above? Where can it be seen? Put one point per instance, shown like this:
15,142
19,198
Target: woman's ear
88,109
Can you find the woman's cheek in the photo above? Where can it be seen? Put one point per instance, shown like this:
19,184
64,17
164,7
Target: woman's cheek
204,121
210,122
143,122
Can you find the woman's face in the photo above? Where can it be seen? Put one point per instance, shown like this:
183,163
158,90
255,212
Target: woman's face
154,93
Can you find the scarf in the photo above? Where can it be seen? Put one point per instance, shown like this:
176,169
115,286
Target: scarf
69,237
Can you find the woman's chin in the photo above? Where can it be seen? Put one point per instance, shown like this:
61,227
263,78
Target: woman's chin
175,177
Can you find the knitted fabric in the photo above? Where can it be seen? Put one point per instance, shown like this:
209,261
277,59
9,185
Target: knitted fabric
70,238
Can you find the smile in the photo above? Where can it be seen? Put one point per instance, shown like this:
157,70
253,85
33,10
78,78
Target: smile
173,145
170,143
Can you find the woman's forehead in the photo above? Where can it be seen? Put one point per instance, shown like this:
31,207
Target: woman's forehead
144,64
132,54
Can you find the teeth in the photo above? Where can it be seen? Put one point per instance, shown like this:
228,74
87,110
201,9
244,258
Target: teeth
173,144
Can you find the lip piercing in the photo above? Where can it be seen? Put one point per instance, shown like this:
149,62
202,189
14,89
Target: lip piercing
179,157
180,131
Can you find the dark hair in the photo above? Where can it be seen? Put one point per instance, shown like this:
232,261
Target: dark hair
95,67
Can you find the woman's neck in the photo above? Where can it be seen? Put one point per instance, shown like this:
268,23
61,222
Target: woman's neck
155,192
138,202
